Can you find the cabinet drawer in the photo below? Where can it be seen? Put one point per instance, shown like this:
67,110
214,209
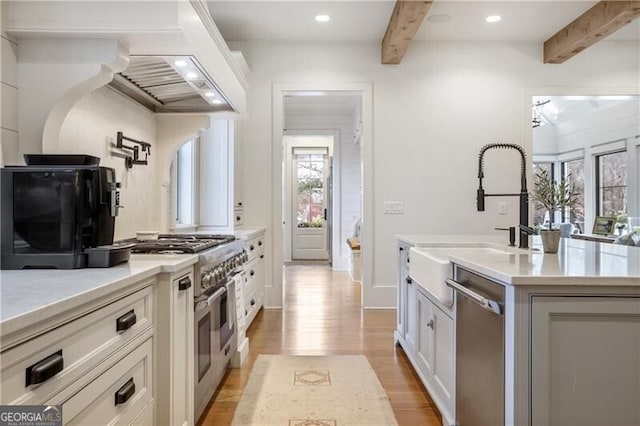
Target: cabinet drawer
238,215
146,417
66,353
251,269
254,246
119,395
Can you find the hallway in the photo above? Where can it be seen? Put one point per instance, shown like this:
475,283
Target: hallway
322,316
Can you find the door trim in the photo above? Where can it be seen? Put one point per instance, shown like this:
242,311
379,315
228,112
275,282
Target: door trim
372,296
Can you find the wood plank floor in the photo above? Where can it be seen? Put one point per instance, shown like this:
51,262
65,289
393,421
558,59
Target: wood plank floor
322,316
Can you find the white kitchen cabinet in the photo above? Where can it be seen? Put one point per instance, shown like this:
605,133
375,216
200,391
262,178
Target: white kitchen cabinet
403,274
88,358
411,335
255,271
585,360
435,350
117,396
426,331
79,345
444,357
424,344
174,349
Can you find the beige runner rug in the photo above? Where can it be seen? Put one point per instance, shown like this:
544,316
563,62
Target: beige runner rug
341,390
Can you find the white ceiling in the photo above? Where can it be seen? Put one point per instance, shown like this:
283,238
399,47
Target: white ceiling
566,108
366,20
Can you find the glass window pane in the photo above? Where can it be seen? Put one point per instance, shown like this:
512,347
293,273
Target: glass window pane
574,173
612,185
310,190
540,214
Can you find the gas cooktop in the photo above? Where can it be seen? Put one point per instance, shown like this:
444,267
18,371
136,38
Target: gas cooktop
179,243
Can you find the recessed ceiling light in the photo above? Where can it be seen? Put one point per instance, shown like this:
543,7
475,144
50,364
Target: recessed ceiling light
216,101
192,75
180,63
210,94
323,18
439,18
493,19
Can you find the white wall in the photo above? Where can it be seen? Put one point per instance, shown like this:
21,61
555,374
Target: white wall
91,122
346,168
9,96
432,113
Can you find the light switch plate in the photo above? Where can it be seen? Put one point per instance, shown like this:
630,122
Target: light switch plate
502,207
394,207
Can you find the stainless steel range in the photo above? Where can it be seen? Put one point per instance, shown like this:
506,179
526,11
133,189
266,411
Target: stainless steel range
220,259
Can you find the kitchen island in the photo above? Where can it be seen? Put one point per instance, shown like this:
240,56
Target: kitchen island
566,328
79,337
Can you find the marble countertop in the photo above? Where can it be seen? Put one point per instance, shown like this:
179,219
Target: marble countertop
577,262
248,232
424,240
30,296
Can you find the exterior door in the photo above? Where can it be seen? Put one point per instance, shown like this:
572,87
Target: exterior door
311,170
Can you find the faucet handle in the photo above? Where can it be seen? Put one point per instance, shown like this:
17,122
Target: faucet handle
527,229
512,235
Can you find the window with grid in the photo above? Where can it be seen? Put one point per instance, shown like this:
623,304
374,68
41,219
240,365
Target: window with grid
573,171
611,191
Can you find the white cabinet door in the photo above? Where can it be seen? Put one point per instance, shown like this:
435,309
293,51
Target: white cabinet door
174,350
443,356
424,346
411,336
403,273
585,361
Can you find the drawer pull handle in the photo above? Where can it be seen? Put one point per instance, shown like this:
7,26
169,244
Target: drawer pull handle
126,321
253,302
409,280
184,284
125,392
251,247
252,273
262,256
259,242
44,370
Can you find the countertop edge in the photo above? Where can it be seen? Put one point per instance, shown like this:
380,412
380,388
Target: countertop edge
38,315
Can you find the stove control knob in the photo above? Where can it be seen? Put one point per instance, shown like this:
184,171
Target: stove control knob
206,280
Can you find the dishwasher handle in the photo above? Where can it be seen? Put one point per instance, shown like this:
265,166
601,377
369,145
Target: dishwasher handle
488,304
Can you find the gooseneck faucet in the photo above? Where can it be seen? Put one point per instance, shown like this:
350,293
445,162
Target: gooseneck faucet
524,228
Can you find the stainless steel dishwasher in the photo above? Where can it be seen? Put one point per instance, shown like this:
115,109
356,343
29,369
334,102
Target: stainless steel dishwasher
479,350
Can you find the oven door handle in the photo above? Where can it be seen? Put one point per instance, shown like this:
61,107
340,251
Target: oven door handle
217,295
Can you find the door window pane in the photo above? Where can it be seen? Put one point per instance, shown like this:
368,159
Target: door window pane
612,184
310,190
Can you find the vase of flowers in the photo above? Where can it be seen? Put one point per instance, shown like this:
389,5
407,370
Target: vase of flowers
553,196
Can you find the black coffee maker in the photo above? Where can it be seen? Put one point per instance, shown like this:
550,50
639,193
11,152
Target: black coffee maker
55,210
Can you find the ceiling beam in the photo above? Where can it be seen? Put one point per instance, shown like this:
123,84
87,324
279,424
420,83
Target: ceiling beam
603,19
405,20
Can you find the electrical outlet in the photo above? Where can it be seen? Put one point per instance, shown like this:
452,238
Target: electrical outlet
393,207
502,207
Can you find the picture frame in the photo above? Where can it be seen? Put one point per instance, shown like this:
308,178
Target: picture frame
603,225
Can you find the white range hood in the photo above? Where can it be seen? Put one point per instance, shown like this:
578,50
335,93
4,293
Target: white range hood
67,49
